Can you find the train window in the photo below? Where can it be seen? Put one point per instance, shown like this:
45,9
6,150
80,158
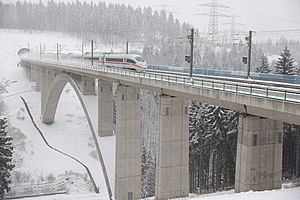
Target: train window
115,59
131,61
139,59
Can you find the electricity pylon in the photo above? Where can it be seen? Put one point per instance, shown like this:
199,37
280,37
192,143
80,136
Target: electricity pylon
213,32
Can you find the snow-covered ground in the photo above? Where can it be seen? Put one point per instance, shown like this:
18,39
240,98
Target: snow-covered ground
285,194
70,132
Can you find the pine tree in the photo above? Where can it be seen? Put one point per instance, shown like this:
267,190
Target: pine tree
6,151
148,174
285,64
264,65
213,134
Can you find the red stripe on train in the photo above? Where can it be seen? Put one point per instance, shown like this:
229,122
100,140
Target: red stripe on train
122,63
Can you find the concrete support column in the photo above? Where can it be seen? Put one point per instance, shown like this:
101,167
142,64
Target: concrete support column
32,73
27,68
38,83
44,90
47,76
128,144
259,154
172,171
88,86
105,109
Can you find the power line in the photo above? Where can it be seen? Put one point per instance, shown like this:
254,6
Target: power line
279,31
263,15
233,29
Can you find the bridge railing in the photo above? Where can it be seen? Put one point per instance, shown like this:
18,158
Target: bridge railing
209,72
62,185
233,74
46,187
261,91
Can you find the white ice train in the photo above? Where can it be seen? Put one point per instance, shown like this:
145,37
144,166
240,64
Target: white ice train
127,61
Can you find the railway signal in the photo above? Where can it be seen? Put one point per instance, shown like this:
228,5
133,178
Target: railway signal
245,59
190,59
249,41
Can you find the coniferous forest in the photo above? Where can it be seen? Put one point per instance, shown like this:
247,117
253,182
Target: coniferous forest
90,19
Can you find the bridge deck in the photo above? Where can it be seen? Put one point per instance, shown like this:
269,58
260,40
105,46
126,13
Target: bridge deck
279,103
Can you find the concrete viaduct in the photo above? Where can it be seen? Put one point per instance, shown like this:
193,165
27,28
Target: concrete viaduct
259,148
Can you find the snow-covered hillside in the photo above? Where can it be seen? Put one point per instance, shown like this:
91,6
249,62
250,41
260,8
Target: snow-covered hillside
69,133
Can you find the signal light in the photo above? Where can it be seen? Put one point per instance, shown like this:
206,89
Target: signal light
188,59
245,59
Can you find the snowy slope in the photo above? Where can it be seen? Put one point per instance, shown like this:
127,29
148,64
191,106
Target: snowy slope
286,194
69,133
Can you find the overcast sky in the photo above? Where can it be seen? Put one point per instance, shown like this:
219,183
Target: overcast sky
258,15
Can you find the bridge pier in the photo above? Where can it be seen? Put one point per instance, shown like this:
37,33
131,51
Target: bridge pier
105,108
32,73
39,80
48,76
128,144
44,90
259,154
88,86
172,175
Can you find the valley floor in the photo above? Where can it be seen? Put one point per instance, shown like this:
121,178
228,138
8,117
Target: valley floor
283,194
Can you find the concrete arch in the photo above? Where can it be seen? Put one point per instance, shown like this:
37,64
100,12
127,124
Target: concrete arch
51,104
53,96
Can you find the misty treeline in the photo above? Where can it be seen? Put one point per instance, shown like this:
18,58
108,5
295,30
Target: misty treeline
225,57
164,37
87,19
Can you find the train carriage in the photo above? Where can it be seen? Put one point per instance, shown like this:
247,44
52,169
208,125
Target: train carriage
127,61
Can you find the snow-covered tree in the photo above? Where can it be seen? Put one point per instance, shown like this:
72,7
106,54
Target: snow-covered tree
264,65
213,134
6,152
285,64
148,173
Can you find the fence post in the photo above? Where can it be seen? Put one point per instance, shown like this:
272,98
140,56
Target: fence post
284,94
